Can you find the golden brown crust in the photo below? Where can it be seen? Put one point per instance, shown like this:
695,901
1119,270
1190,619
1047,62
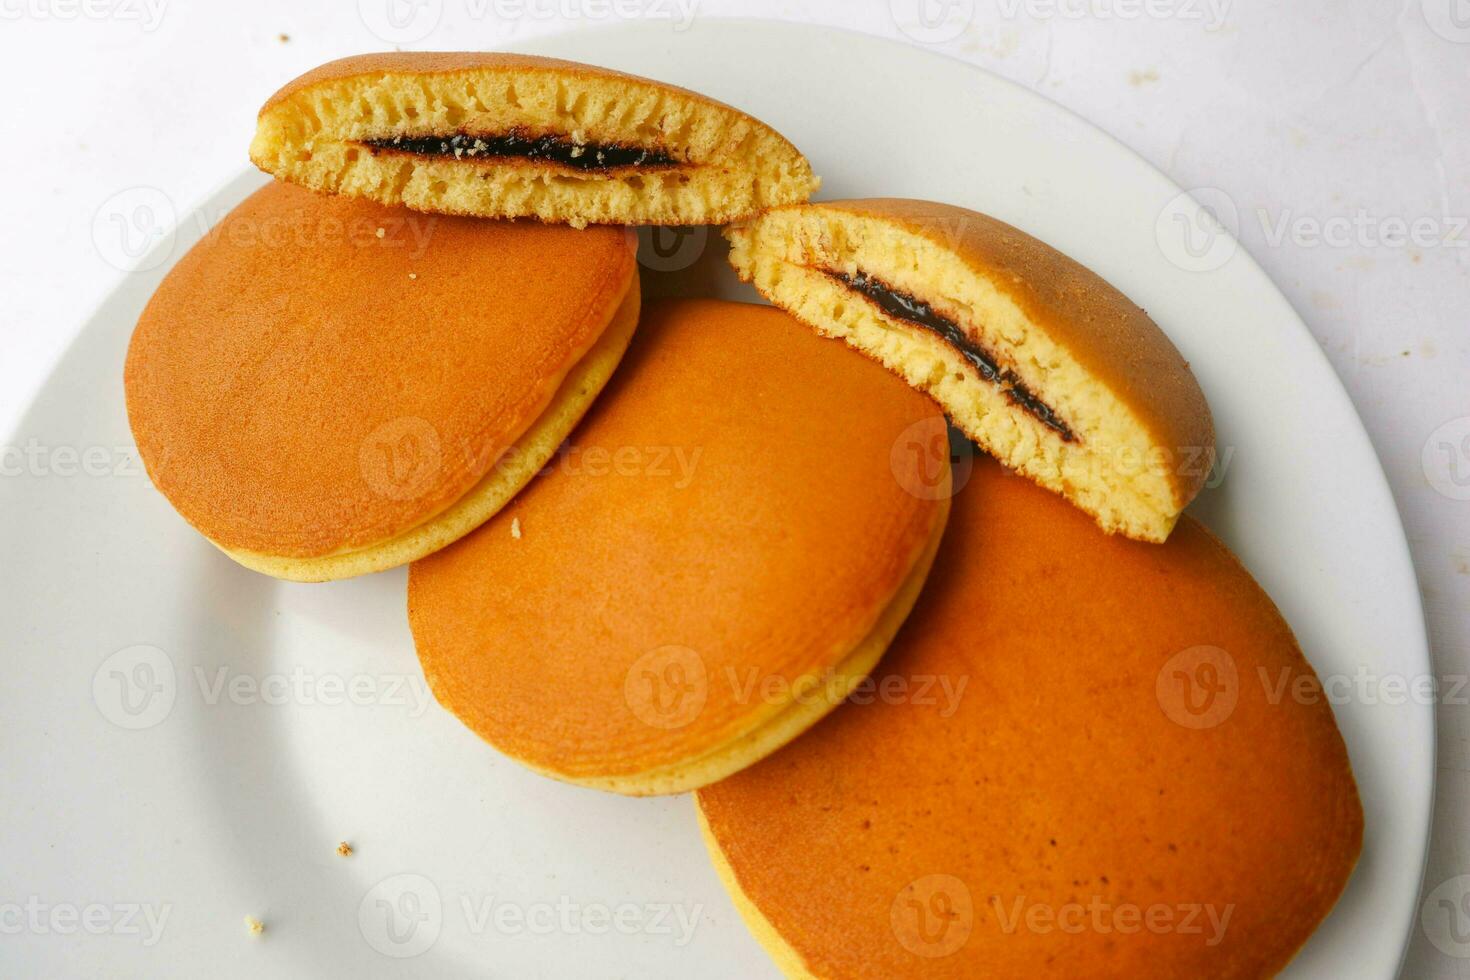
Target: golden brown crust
728,518
1074,771
300,385
1105,331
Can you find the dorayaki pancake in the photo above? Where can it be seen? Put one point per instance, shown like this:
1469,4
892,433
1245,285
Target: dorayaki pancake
507,135
1033,356
325,387
1081,757
724,549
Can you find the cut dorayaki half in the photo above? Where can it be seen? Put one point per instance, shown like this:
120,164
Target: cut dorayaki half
1033,356
510,136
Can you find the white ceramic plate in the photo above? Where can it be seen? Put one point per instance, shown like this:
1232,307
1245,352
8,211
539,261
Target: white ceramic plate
136,785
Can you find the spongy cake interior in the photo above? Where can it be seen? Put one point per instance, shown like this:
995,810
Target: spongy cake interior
729,164
1111,467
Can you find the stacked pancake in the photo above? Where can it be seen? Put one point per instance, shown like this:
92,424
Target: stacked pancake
507,136
734,566
647,557
326,387
1085,772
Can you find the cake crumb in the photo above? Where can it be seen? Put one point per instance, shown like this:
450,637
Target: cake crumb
253,925
413,275
284,38
344,849
381,232
515,528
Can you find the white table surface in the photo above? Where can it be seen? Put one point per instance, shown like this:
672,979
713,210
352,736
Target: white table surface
1335,137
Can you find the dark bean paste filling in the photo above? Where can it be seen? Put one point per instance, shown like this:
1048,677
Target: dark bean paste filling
548,147
902,306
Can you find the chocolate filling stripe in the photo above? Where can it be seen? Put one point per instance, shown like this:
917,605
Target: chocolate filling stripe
904,307
548,147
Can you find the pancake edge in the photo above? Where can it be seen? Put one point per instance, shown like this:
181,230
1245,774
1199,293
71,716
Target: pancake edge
788,721
782,953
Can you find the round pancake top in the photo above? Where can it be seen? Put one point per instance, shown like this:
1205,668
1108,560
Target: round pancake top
321,374
451,62
1092,757
1105,331
734,513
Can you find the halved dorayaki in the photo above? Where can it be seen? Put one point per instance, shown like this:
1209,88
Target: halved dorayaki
325,387
1033,356
724,550
507,135
1082,756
